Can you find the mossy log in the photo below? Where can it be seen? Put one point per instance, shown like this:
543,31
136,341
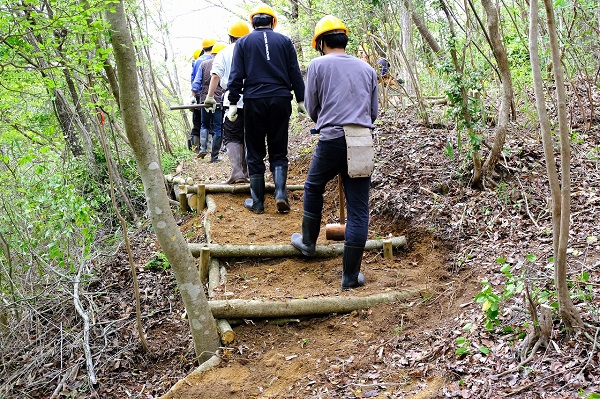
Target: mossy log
249,309
284,250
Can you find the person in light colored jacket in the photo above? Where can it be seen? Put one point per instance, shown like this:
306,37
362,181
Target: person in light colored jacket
233,132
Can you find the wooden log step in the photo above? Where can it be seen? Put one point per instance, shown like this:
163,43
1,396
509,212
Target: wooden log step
249,309
283,250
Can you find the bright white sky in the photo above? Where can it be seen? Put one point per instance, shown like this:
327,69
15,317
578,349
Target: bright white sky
190,21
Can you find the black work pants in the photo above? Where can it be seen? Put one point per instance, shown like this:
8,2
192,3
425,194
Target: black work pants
233,132
266,118
329,160
196,119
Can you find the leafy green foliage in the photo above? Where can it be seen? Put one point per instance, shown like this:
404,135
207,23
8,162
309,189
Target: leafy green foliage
463,346
49,212
590,395
159,263
170,161
491,300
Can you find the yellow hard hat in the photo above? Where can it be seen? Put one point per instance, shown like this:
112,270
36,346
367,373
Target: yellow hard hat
206,43
330,24
239,29
197,53
218,47
262,8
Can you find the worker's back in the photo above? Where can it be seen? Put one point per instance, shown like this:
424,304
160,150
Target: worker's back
267,62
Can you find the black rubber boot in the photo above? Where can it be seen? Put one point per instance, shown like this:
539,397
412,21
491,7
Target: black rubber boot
245,164
307,241
216,147
203,142
257,191
194,142
281,197
351,275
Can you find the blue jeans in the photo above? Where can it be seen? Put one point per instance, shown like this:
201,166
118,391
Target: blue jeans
329,160
214,119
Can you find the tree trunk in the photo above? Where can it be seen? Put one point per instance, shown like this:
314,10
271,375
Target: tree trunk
477,178
566,309
65,119
560,206
295,35
202,324
507,87
410,64
422,28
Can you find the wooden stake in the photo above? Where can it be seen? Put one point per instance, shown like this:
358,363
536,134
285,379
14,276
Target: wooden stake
183,199
204,260
201,196
214,276
388,251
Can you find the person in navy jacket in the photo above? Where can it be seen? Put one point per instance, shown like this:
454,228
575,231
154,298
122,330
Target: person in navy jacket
265,69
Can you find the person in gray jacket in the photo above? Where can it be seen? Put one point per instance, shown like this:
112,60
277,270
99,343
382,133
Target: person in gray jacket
330,80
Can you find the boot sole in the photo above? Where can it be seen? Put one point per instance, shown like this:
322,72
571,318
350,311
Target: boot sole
283,206
304,252
238,180
248,204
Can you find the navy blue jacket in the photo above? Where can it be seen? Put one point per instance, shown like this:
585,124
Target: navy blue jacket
265,64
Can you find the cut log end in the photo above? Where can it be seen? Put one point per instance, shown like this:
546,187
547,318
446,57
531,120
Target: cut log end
335,231
225,331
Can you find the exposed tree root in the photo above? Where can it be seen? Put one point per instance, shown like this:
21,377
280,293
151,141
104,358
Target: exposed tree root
538,336
207,365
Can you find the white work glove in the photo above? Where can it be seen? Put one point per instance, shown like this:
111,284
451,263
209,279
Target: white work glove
232,113
302,110
192,100
210,101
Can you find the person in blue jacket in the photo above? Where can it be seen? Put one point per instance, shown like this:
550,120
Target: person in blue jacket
265,68
199,137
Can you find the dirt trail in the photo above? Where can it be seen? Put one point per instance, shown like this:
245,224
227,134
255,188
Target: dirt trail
334,356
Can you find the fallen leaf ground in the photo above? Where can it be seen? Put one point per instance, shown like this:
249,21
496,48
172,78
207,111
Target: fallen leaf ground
403,350
455,235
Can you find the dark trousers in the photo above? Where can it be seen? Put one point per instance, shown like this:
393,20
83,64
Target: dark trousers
266,118
328,161
196,120
212,121
233,132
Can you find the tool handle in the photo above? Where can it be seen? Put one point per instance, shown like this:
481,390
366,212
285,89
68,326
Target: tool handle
342,202
193,106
